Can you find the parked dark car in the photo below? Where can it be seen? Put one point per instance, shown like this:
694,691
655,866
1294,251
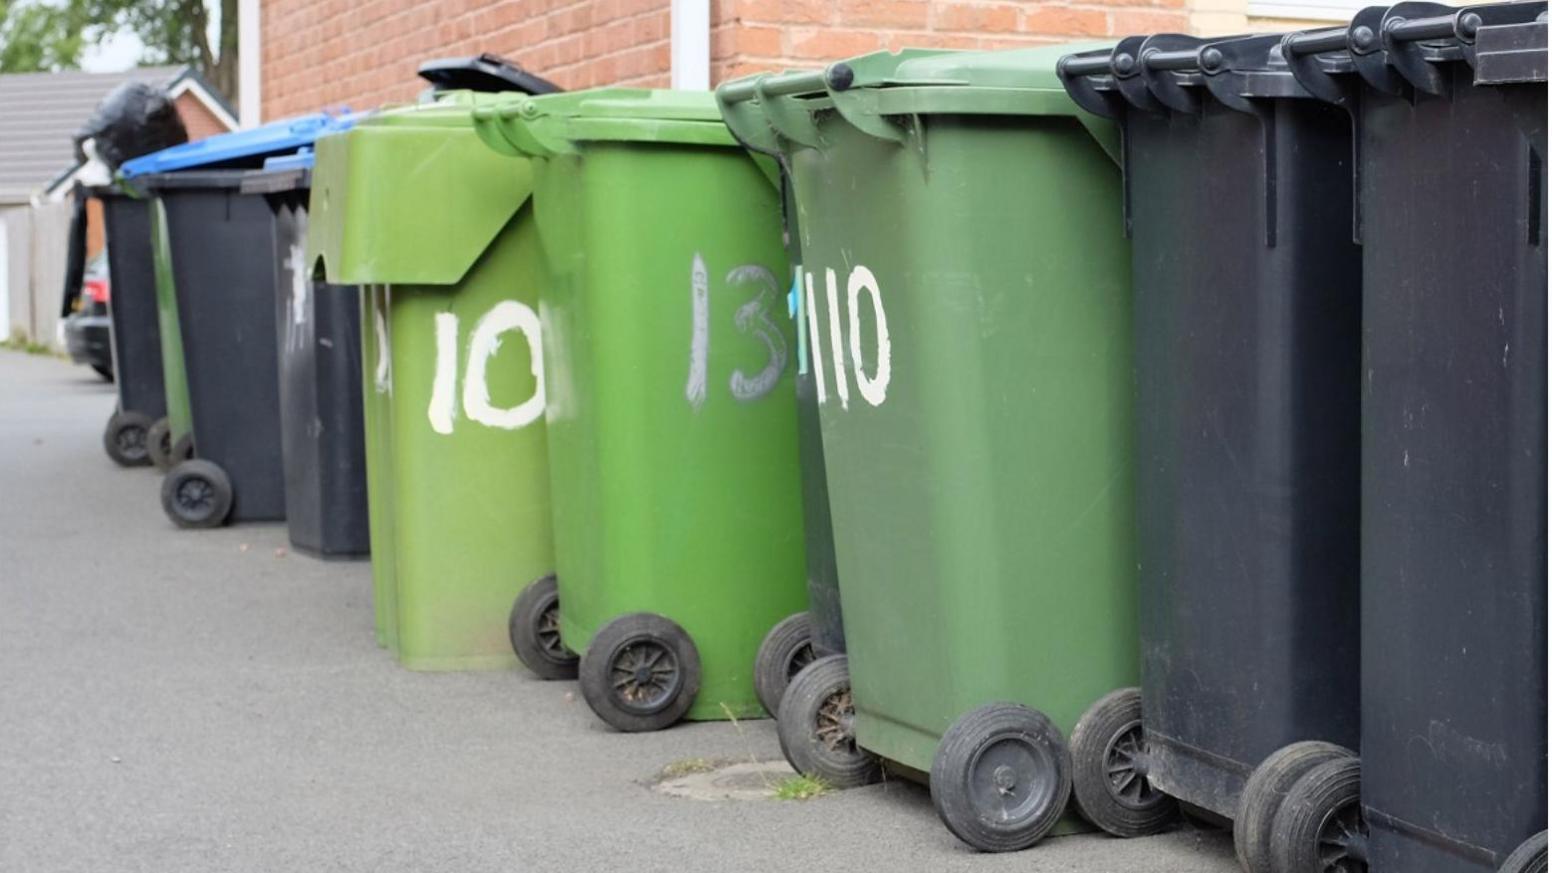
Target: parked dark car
86,328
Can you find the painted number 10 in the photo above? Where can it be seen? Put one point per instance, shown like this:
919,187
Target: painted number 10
508,316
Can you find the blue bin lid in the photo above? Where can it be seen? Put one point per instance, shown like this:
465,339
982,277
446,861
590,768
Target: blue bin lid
275,138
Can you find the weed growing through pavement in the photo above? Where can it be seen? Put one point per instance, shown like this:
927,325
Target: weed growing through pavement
802,788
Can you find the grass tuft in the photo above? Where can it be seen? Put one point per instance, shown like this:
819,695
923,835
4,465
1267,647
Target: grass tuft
802,788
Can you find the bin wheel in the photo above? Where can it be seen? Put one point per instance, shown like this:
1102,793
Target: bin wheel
788,648
815,726
1320,826
104,371
159,443
1263,797
1001,777
1110,769
1530,857
197,494
535,631
641,672
125,439
182,449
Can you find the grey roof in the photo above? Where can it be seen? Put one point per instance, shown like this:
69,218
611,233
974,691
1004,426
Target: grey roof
40,113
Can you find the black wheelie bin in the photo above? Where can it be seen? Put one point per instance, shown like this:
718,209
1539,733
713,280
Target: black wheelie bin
221,248
318,336
137,433
1238,200
1450,111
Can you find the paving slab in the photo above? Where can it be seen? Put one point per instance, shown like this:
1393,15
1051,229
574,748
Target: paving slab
210,701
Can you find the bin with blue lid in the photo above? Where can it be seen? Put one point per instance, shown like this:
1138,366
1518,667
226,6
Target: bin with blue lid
214,248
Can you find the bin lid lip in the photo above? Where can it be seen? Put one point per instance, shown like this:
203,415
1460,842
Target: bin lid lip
278,137
446,109
1030,69
152,183
623,107
280,179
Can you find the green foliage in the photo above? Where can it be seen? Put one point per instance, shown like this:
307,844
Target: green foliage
52,34
37,35
801,788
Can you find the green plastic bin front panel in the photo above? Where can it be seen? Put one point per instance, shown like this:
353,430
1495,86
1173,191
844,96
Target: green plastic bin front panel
376,371
175,382
438,231
670,360
974,362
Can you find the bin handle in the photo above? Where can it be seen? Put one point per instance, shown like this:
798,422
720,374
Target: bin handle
1164,55
1090,81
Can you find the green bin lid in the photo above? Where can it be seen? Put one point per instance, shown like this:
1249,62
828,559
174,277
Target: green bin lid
866,90
555,123
410,196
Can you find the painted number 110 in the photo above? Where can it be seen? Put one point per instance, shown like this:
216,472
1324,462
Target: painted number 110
875,388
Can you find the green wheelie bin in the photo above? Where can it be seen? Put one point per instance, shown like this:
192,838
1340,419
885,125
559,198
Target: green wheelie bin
179,437
668,369
439,233
968,294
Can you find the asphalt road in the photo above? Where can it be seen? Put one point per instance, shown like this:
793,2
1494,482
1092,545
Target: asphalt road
175,701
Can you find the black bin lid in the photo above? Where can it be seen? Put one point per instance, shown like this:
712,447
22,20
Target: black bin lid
483,72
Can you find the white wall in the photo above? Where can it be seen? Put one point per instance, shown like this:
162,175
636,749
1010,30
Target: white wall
32,270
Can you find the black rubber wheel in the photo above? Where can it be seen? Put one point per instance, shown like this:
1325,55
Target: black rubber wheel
788,648
1530,857
1263,797
197,494
641,672
1001,777
1320,827
159,444
535,631
103,370
1110,769
182,449
814,726
124,439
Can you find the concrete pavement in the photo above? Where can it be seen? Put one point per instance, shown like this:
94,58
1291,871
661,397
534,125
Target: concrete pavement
174,701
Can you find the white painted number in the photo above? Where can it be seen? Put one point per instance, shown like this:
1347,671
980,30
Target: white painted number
700,333
484,342
875,388
752,317
755,316
384,373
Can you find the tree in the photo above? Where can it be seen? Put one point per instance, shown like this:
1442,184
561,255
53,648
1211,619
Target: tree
52,34
38,36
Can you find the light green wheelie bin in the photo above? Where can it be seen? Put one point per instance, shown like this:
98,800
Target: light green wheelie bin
439,233
967,293
668,365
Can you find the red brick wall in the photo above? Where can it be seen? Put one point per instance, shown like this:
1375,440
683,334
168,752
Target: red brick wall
326,52
197,117
757,35
363,53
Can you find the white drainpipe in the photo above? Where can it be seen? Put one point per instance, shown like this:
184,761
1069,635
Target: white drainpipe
689,44
250,106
